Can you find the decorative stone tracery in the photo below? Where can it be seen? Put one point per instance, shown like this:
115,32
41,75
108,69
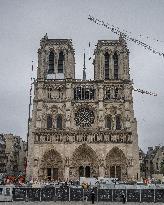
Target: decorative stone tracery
51,160
116,164
84,156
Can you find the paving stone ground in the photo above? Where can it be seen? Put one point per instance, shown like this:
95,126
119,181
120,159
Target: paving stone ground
75,203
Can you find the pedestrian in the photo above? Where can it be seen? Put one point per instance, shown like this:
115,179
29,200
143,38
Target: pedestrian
93,196
123,198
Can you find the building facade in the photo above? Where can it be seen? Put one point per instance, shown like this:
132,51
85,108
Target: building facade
154,162
22,157
83,127
158,160
3,156
15,150
142,157
12,152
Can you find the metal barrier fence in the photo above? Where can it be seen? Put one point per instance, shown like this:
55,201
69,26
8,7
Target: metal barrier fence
79,194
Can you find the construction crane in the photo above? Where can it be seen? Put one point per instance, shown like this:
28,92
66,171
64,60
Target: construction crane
144,92
124,35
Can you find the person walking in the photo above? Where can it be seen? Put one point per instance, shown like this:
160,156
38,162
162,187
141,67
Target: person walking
123,198
93,196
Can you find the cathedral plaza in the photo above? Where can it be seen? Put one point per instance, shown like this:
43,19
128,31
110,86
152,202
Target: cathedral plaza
80,127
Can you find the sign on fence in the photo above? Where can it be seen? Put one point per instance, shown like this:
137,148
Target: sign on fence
48,194
147,195
76,194
133,195
159,195
62,194
105,195
33,194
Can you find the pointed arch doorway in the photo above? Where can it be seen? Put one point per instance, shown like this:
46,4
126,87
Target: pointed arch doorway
51,166
84,162
115,172
52,173
84,171
116,164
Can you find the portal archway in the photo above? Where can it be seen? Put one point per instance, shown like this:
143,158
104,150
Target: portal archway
84,163
51,167
116,164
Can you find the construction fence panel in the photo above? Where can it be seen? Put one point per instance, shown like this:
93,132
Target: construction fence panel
78,194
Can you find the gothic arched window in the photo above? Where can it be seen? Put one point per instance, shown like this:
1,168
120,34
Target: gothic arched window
108,94
61,62
81,171
84,93
118,122
106,66
115,60
59,122
49,92
49,121
87,171
116,93
108,122
51,63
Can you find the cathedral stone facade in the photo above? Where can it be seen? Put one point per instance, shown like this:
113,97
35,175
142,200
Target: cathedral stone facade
83,127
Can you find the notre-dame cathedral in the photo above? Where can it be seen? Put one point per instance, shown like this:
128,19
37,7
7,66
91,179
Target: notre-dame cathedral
83,127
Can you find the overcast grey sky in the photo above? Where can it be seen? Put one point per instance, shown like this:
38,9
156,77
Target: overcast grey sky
23,23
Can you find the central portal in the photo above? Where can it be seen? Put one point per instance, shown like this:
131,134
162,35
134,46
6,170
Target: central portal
84,163
84,171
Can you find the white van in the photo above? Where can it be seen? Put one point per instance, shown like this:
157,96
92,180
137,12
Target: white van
6,193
